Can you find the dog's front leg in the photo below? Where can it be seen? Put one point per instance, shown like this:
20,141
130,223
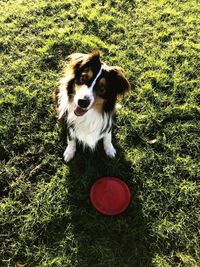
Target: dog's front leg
70,150
108,147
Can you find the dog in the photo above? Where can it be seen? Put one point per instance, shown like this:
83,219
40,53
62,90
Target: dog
86,99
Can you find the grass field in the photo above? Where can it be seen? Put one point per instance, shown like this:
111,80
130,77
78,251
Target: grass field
46,216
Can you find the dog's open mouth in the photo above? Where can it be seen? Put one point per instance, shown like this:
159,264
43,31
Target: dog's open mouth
79,111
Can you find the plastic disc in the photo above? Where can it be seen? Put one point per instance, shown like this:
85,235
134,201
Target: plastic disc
110,195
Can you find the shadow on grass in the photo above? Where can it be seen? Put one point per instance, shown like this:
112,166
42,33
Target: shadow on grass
106,240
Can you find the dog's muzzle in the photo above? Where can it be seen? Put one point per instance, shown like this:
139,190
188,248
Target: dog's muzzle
85,98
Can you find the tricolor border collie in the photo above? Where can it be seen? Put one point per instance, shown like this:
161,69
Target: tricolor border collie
86,101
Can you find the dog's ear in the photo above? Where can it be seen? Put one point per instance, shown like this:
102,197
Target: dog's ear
94,55
118,80
78,60
75,61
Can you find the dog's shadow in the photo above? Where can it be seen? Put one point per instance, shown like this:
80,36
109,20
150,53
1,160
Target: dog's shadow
106,240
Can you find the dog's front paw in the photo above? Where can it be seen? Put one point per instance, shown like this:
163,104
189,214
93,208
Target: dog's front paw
110,151
69,153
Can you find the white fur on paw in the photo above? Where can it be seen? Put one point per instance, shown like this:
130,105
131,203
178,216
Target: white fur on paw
69,153
110,151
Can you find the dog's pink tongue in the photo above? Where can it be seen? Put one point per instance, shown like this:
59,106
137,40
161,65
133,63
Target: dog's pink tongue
79,111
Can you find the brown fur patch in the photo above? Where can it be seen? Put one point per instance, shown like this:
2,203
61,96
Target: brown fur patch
87,74
102,84
78,60
98,104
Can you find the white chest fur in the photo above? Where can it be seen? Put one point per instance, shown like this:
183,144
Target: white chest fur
90,127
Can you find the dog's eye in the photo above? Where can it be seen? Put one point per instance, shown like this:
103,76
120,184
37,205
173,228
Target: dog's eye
83,79
86,69
101,89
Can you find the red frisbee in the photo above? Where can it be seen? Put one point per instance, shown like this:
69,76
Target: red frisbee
110,195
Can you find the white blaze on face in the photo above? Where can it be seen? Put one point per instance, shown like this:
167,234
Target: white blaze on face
87,92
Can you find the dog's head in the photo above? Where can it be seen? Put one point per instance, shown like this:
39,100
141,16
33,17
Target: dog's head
92,84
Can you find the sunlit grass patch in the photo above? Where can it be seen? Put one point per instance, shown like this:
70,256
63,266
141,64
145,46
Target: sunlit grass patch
46,215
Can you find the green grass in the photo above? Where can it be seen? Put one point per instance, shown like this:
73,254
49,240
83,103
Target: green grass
46,215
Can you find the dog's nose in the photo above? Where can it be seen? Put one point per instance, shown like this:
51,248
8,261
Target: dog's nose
83,103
